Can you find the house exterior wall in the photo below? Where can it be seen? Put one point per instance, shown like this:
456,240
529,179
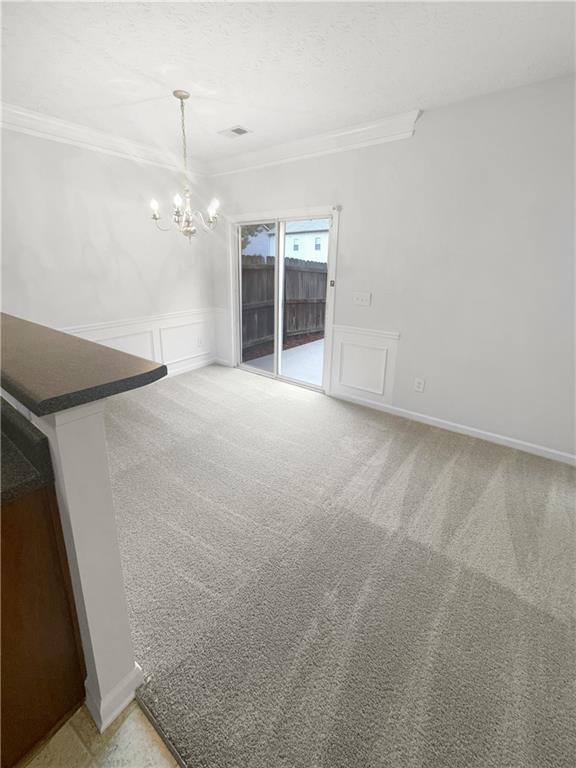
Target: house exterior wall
306,245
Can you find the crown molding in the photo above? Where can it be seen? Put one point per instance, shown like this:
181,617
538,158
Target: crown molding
22,120
393,128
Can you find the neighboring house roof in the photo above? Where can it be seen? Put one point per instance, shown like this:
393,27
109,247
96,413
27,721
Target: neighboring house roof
302,227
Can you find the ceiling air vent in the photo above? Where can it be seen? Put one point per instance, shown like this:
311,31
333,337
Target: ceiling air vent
234,132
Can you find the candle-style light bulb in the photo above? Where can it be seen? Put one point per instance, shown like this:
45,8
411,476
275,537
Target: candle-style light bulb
154,205
213,208
177,201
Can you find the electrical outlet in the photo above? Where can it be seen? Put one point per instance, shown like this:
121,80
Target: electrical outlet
419,385
199,342
362,299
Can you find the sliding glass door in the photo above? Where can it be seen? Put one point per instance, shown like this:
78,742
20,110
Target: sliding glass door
258,295
304,285
283,285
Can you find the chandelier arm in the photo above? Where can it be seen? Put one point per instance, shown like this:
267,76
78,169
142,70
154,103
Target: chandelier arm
207,225
183,215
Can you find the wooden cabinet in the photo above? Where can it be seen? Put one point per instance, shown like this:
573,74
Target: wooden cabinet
42,664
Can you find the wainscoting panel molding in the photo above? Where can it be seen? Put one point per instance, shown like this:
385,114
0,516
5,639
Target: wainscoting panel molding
181,340
363,364
363,373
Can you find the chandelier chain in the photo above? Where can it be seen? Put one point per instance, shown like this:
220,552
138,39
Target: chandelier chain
183,215
184,146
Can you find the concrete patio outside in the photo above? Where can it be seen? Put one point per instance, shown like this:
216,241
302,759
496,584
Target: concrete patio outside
303,363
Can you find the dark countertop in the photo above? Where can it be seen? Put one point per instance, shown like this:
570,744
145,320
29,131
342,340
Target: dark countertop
49,371
26,463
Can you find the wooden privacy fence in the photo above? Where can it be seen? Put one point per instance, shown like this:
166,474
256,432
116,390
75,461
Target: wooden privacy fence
304,299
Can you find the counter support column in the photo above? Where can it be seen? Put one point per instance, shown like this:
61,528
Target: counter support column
80,459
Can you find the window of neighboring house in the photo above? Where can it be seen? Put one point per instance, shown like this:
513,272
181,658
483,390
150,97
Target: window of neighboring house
295,245
317,244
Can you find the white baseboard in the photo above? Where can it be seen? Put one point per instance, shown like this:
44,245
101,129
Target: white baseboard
106,709
190,364
509,442
185,341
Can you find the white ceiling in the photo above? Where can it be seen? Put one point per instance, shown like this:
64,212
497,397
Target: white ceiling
283,70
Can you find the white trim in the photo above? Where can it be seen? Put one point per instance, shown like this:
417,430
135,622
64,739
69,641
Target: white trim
107,709
330,311
109,324
311,212
381,388
234,287
367,332
31,123
463,429
186,364
194,330
42,126
392,128
77,439
375,376
279,305
27,121
165,327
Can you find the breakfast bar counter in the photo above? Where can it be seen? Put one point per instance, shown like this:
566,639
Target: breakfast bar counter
54,442
48,371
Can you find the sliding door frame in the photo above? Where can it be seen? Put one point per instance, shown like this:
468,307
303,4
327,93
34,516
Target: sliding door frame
278,218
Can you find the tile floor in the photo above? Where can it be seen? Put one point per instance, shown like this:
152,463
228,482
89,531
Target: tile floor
130,742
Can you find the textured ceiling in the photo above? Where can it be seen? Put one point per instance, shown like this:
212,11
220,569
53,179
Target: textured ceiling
283,70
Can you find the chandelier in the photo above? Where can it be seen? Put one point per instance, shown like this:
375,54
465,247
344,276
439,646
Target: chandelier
183,215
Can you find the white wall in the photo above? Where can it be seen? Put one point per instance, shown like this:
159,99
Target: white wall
464,234
78,245
79,250
469,256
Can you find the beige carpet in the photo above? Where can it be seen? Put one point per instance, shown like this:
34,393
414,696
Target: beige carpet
317,585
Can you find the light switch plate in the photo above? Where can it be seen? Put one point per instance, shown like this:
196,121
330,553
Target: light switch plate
362,299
